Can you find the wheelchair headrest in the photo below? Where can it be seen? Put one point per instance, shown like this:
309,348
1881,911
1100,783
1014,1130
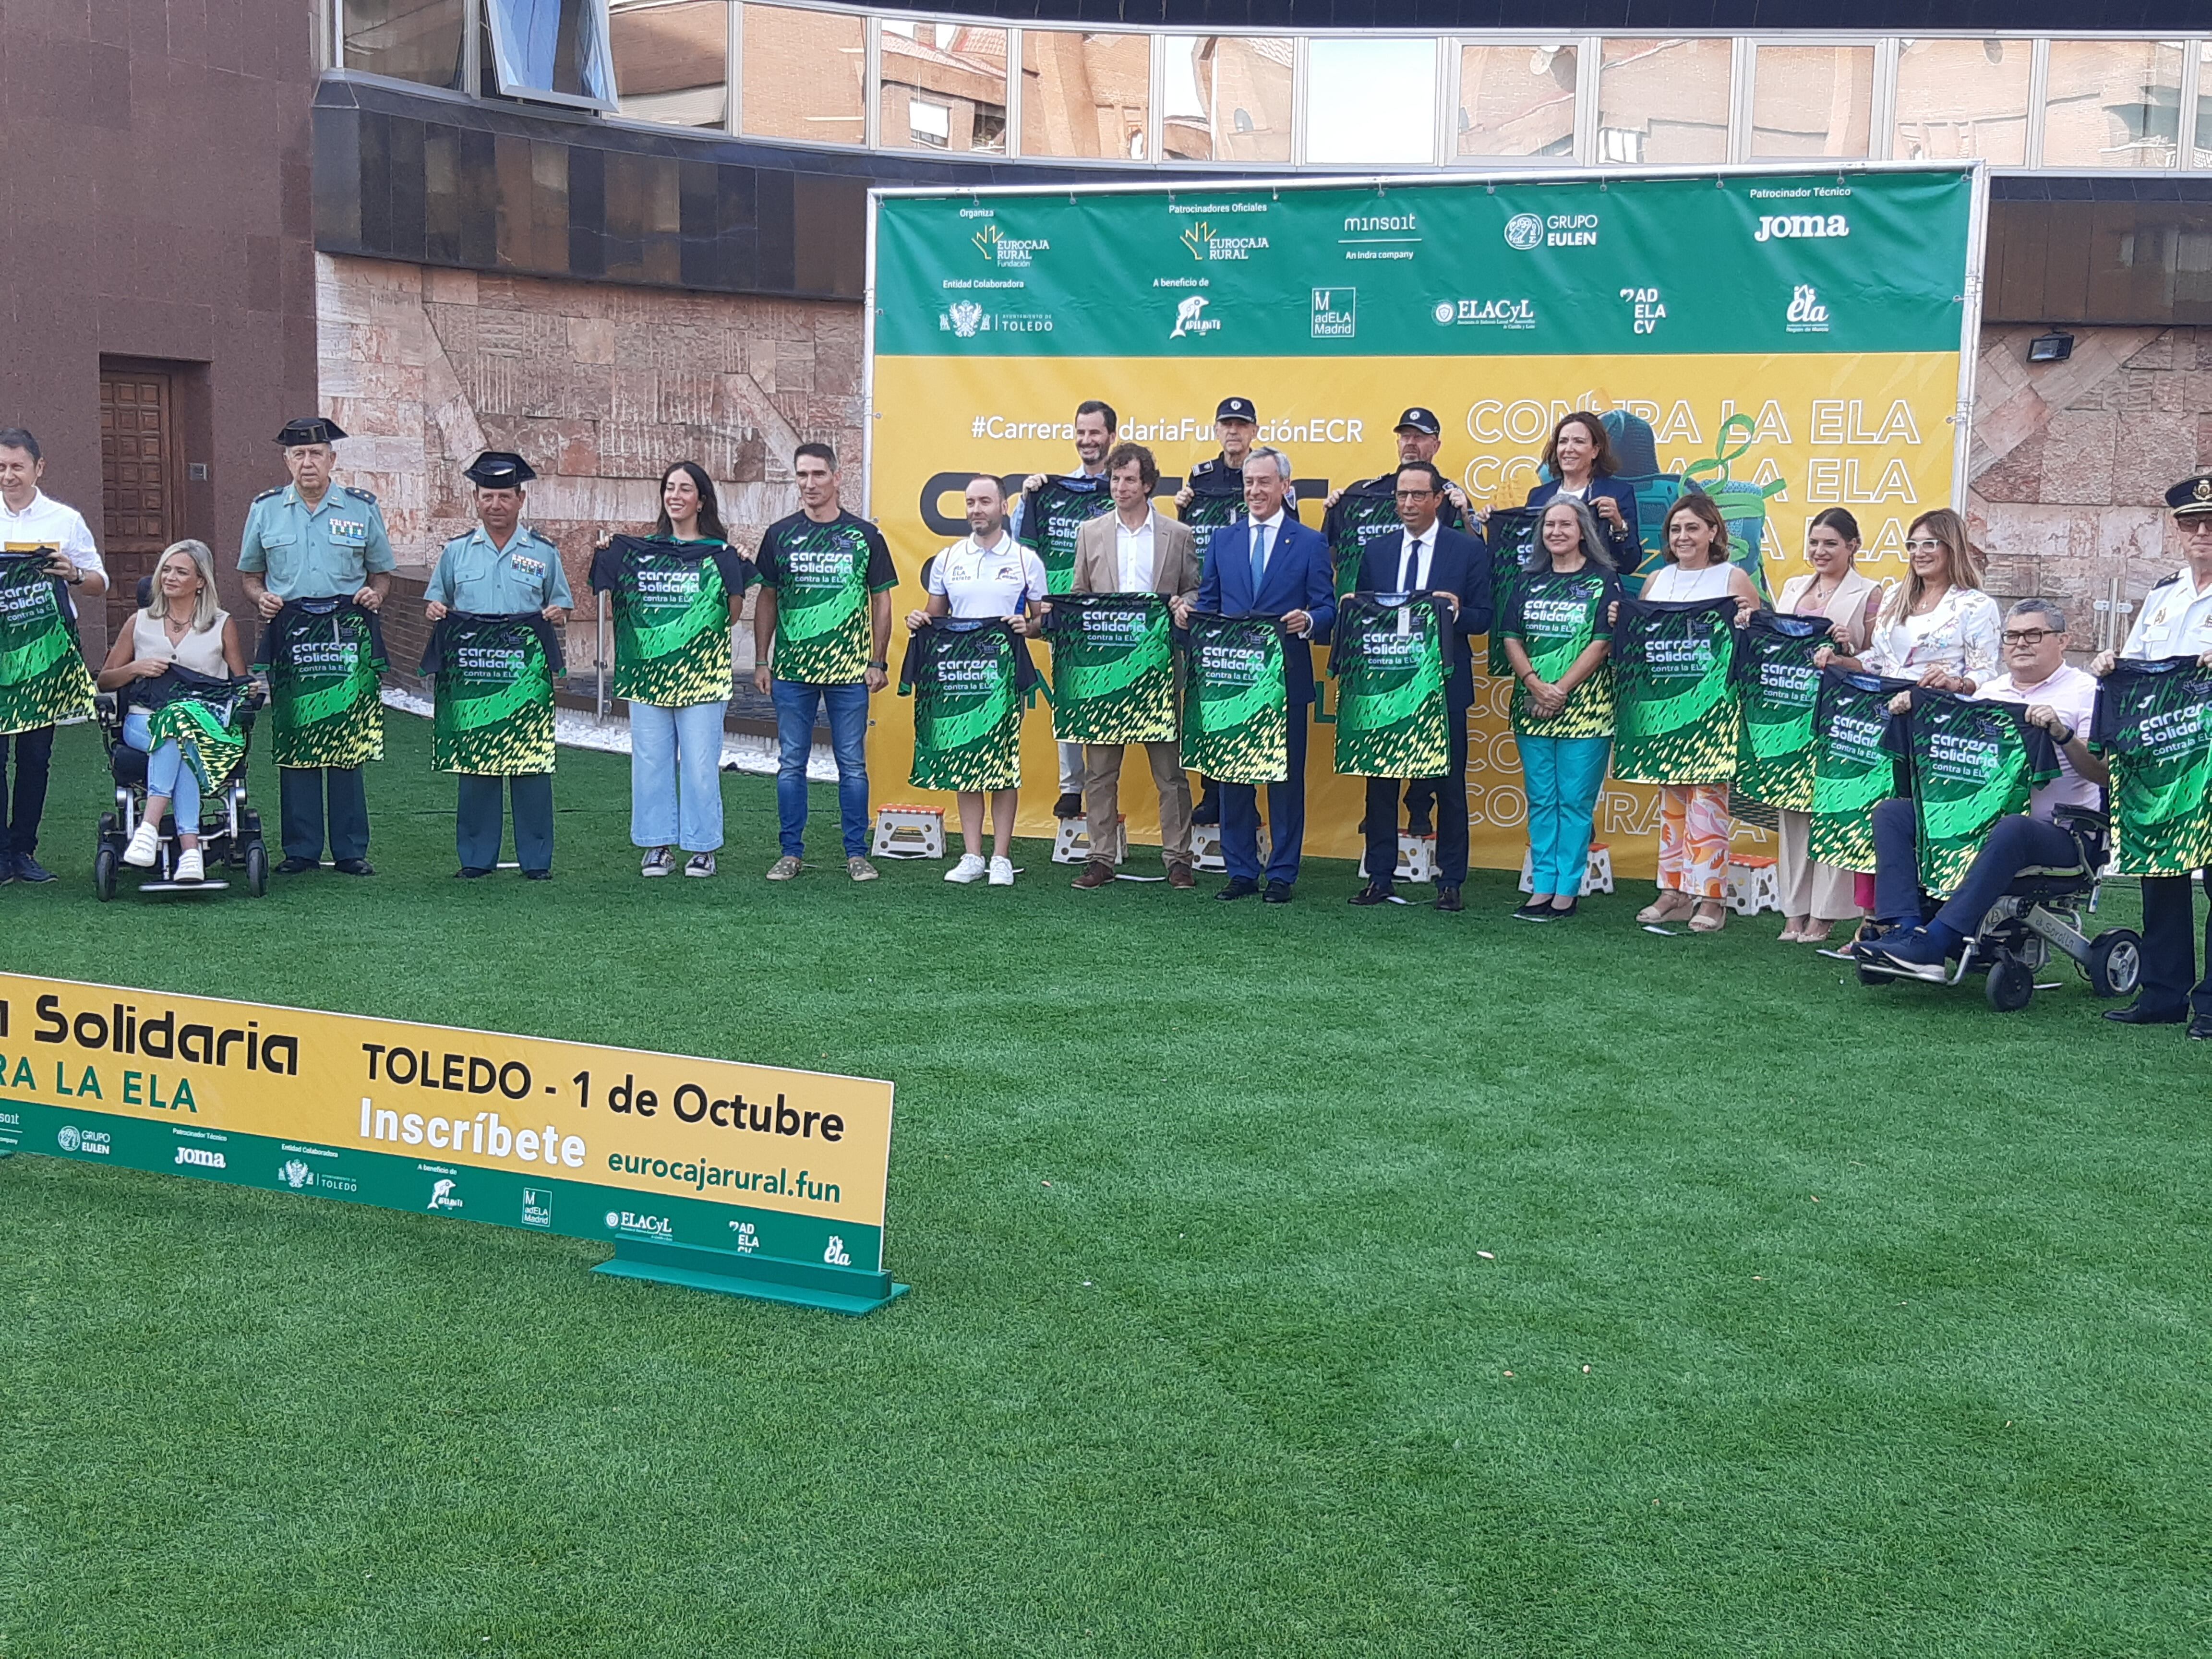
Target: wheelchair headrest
145,591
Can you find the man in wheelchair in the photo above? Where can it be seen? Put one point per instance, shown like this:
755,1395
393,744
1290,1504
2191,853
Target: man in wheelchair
2052,850
174,708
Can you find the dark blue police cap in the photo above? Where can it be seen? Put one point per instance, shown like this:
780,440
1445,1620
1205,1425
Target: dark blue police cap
310,430
1236,409
1421,420
2191,496
500,469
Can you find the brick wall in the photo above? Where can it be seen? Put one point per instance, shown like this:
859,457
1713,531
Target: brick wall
600,387
2071,461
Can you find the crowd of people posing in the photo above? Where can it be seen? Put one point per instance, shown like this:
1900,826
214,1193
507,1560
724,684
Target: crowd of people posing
1184,633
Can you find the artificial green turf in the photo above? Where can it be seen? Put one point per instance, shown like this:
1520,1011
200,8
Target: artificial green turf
1202,1358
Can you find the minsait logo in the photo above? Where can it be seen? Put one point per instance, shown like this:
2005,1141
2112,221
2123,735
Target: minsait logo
1788,226
1191,318
296,1174
442,1196
1524,230
1807,315
203,1158
1335,313
1485,314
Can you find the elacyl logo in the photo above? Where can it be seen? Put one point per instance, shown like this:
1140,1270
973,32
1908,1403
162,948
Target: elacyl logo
1485,314
1524,230
1191,318
1335,313
1787,227
1807,315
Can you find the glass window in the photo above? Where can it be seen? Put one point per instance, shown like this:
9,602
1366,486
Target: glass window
803,74
1957,100
2204,106
1811,101
1086,94
2112,104
1516,101
945,88
1228,98
408,39
671,60
1659,102
1370,101
554,49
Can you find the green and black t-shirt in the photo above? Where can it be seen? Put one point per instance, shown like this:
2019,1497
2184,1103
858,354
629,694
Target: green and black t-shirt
822,575
1557,618
326,659
1236,720
671,613
492,716
1053,516
1113,668
1675,691
1392,717
1974,761
2154,725
1778,687
1857,749
43,677
967,677
1217,499
1511,534
1365,512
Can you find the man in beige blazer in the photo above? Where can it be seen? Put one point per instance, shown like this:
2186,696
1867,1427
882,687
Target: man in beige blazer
1135,549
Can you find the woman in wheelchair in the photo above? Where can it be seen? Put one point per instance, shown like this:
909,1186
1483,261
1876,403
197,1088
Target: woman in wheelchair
181,627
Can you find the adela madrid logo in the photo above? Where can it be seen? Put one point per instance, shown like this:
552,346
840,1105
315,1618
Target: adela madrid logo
296,1174
1335,313
1524,230
1191,318
1807,315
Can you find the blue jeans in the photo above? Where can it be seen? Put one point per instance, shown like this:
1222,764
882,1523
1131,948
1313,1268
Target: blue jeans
663,743
2014,843
1563,776
166,774
795,703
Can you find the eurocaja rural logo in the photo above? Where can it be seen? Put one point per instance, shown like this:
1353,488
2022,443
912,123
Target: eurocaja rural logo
1008,253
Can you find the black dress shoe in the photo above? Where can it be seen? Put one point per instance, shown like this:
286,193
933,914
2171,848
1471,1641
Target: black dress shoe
1419,824
294,867
470,872
1208,810
1533,911
353,866
1371,894
2200,1029
1447,899
537,875
29,869
1068,806
2137,1013
1239,887
1278,892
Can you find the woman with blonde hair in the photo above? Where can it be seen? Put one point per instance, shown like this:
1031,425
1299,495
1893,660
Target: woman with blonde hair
1937,627
182,628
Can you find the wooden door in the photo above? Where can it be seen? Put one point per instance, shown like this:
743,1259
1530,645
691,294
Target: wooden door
141,493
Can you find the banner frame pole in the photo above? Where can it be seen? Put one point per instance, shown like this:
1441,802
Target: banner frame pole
1970,331
868,364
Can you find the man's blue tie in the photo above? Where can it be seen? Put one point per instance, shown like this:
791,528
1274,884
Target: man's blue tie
1259,560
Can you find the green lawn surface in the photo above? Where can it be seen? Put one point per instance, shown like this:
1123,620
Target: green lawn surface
1289,1281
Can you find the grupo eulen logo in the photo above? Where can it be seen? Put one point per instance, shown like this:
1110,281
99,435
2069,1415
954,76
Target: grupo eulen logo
69,1138
1524,230
1790,226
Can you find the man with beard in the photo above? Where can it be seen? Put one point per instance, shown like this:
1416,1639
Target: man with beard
1045,519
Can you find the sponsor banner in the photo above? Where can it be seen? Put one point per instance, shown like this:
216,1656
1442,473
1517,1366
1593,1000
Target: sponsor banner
715,1163
1784,348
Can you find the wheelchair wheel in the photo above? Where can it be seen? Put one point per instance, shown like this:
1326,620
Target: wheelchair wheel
2011,984
2115,964
104,865
257,869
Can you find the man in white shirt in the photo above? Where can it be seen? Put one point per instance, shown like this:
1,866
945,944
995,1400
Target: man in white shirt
1133,549
2175,621
2062,700
29,518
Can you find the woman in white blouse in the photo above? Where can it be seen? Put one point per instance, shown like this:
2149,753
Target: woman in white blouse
1937,627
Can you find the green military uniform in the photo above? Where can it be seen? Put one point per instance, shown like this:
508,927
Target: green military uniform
475,574
325,552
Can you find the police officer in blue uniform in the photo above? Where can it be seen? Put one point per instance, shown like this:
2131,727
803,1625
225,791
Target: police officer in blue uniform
503,568
317,539
2175,621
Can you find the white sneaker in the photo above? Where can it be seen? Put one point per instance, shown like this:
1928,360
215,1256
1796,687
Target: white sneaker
699,863
1002,872
190,867
658,861
970,868
146,843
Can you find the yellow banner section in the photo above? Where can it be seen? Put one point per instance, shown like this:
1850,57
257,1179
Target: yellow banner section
802,1142
1872,433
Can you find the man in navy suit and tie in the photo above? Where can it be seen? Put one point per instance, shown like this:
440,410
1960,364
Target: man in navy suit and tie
1268,564
1424,558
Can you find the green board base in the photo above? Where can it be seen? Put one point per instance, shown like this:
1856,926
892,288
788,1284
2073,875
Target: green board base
837,1289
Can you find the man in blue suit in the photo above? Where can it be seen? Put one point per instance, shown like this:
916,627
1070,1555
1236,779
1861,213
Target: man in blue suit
1424,558
1268,564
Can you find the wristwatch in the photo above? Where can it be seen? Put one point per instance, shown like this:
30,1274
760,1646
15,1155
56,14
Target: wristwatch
882,666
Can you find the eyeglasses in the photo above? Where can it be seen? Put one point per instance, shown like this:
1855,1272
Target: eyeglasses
1415,494
1926,544
2027,636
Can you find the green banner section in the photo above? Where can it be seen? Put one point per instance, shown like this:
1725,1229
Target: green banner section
1053,516
965,679
2154,726
1675,691
1391,718
1832,261
326,701
1853,767
493,713
671,612
1112,669
1235,721
1779,688
1972,763
43,677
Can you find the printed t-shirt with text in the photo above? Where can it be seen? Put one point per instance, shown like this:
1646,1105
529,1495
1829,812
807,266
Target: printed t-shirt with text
1557,618
1053,516
1973,762
822,575
672,610
1235,718
1779,688
2154,726
1675,691
1392,721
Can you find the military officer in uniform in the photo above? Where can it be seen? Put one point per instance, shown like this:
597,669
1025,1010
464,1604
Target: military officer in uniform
501,568
317,539
2175,621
